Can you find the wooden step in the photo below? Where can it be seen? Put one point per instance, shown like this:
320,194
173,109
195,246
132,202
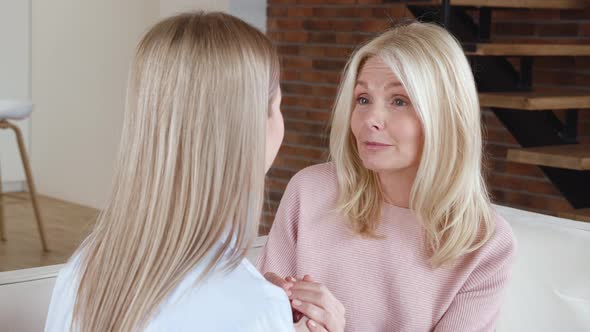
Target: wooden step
500,49
536,101
548,4
571,156
581,215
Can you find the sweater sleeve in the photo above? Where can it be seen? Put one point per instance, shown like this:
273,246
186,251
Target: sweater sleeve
476,306
280,252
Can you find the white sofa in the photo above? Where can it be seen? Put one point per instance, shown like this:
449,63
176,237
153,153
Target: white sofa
550,289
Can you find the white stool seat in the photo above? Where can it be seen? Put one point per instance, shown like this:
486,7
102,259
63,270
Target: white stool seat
15,109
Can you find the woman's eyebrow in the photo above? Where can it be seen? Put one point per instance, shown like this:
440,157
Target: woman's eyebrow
393,84
389,85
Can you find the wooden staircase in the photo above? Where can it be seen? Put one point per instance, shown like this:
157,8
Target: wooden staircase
486,49
538,4
558,156
571,156
581,215
535,101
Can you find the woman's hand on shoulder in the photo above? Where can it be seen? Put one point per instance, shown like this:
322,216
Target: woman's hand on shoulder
278,281
323,311
315,308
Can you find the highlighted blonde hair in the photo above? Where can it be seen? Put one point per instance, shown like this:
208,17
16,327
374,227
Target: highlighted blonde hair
190,175
449,194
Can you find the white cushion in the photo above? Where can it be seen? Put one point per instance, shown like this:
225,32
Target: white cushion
24,298
550,289
14,109
548,292
25,294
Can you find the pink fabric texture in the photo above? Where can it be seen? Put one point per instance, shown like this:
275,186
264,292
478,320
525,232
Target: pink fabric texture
384,284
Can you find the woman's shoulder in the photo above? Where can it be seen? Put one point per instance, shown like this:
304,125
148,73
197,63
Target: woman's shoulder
226,301
502,239
63,296
314,188
68,277
319,175
268,306
258,284
497,254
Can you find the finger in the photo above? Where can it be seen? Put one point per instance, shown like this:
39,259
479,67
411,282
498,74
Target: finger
313,312
307,285
278,281
311,296
315,327
301,325
275,279
290,279
307,277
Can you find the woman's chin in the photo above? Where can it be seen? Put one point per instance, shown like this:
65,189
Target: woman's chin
374,165
378,165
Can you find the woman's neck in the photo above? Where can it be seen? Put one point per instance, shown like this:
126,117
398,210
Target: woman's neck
397,186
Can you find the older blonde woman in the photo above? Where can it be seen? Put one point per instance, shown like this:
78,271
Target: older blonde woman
167,253
397,232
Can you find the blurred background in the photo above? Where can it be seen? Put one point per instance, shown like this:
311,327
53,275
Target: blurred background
70,60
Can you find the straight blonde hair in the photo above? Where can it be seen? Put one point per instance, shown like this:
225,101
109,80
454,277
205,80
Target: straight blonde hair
449,194
189,180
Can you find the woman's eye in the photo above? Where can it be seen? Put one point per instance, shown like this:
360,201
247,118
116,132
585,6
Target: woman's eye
399,102
362,100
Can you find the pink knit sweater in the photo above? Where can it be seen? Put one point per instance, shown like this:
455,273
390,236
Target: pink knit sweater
384,284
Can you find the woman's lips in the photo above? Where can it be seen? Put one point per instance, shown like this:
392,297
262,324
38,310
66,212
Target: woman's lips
371,145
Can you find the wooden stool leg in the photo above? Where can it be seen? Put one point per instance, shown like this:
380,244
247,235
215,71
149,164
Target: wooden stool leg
31,184
2,231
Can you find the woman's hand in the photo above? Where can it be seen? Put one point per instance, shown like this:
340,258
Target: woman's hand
286,284
324,313
274,279
301,326
318,304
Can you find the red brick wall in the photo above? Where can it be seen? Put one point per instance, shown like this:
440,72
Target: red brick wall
315,38
521,185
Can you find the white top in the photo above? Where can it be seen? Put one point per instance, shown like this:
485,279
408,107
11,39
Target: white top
241,300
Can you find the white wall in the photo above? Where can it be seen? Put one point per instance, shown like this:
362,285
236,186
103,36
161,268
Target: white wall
81,52
251,11
15,70
171,7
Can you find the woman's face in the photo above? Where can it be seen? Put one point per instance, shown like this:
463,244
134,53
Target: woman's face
275,130
387,130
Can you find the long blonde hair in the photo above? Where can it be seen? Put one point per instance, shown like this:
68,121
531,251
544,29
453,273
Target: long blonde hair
449,194
190,173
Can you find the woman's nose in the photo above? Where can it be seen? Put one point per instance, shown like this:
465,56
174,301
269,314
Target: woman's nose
375,119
